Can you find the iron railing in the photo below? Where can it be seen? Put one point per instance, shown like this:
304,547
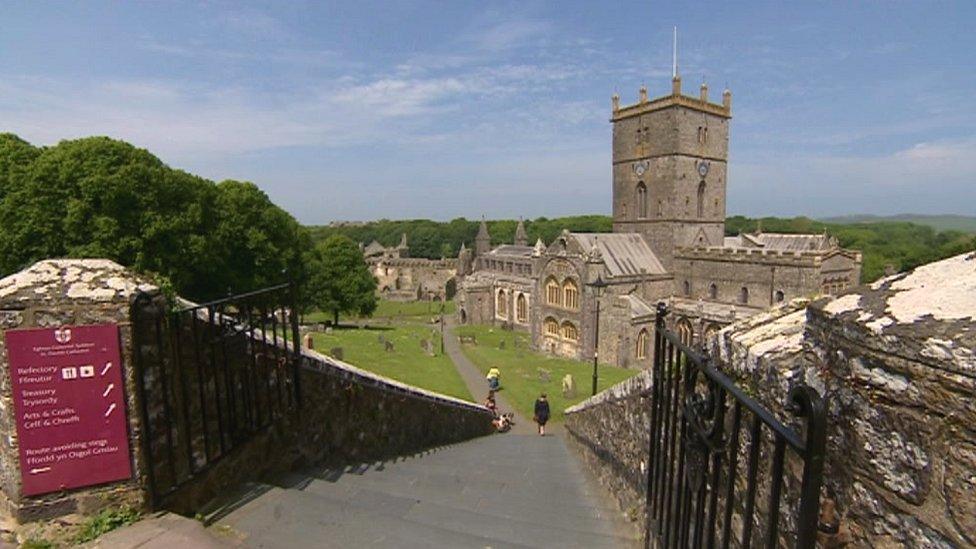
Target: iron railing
715,451
210,377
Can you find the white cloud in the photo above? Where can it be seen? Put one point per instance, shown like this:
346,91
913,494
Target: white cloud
509,35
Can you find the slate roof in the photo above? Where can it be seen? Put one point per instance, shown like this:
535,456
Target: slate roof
511,249
782,242
624,253
639,307
374,248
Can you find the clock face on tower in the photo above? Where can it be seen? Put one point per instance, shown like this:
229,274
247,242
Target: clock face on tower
702,168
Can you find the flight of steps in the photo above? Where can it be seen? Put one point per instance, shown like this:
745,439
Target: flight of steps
497,491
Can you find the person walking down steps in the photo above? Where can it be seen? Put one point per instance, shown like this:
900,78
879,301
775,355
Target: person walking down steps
542,413
494,379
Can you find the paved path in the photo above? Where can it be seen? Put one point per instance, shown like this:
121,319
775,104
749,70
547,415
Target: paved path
497,491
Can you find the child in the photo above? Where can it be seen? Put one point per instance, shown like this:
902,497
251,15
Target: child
542,413
494,379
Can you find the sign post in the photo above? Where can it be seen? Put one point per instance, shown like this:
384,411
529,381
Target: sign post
70,407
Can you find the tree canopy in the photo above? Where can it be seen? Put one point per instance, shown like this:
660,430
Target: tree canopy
340,280
901,244
100,197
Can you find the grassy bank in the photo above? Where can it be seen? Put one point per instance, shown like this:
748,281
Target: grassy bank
394,310
521,368
408,362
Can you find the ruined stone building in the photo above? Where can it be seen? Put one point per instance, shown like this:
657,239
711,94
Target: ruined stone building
670,160
404,278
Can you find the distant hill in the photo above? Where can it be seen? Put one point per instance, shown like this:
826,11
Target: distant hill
963,223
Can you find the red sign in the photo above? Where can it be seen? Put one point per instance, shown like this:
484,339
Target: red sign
70,406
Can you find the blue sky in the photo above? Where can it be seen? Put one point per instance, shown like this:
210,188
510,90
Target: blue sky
363,110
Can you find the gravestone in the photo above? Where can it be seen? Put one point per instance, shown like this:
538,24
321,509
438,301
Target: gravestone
328,329
569,386
427,346
501,345
388,346
336,353
308,342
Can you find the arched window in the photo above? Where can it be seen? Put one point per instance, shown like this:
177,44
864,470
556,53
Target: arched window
744,295
710,330
570,333
641,200
685,331
642,344
701,199
521,308
552,292
712,291
687,287
552,327
501,304
570,294
779,296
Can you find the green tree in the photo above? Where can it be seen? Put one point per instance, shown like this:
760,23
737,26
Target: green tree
339,279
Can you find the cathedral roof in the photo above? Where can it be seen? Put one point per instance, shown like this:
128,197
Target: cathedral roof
374,248
511,249
783,242
624,253
638,307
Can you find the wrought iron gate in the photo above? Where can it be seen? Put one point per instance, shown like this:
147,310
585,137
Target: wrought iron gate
717,474
210,377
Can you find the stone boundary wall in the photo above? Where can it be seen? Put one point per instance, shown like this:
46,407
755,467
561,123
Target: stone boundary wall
67,292
896,364
348,416
610,430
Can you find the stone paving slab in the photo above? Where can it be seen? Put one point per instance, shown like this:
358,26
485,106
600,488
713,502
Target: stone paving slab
166,531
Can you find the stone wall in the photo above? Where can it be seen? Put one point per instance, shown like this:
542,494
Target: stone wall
54,293
348,415
896,364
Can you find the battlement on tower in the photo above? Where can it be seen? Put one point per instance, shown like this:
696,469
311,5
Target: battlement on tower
675,99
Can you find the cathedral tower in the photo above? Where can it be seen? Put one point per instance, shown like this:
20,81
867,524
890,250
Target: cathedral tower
669,169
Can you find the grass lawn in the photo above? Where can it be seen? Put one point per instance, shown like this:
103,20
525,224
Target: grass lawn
407,363
521,382
392,309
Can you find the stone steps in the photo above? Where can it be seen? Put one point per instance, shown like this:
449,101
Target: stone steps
497,491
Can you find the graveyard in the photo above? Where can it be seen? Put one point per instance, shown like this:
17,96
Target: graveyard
401,341
405,351
527,373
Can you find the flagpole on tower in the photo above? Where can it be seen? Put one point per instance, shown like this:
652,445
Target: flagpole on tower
674,54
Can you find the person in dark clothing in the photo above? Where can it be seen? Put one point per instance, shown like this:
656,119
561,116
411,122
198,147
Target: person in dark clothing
542,413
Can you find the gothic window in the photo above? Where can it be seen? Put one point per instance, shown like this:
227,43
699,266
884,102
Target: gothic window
552,327
501,304
744,295
570,333
701,199
552,292
570,295
712,291
709,332
521,308
660,208
641,200
685,331
687,288
642,344
779,296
